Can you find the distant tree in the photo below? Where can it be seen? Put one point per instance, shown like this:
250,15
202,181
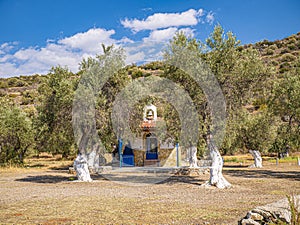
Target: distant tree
285,103
16,133
54,120
257,134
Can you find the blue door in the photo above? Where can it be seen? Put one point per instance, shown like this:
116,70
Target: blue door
151,147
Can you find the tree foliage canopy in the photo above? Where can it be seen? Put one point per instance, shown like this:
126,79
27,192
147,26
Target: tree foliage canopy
16,133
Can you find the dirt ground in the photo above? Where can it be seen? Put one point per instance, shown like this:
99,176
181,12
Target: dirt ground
48,195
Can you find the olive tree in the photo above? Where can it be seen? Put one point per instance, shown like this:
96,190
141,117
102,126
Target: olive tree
285,103
16,133
54,120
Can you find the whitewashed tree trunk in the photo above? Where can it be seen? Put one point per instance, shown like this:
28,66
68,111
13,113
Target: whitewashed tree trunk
193,157
257,158
216,177
81,168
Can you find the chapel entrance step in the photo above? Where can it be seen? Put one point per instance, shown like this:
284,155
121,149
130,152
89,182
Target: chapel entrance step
151,163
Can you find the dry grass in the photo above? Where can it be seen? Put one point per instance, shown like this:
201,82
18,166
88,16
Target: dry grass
44,194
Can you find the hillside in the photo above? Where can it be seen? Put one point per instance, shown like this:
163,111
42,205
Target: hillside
279,53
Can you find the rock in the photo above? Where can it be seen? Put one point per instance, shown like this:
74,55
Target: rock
81,168
255,216
277,212
248,222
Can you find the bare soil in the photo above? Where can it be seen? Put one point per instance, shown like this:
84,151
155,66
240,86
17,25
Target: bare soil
45,193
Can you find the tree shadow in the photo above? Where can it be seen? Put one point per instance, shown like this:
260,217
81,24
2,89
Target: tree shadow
186,179
263,173
45,179
157,179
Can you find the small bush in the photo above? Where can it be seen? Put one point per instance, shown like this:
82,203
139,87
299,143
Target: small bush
270,52
278,44
3,84
137,74
288,58
292,40
12,82
2,93
291,46
285,50
21,83
273,47
274,63
298,44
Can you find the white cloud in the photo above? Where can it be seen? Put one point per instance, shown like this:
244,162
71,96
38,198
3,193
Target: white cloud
210,17
167,34
161,35
89,41
25,54
164,20
68,51
7,47
135,57
201,12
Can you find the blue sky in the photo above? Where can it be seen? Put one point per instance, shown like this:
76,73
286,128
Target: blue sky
38,34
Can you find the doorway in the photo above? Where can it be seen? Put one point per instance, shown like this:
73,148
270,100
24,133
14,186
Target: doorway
151,146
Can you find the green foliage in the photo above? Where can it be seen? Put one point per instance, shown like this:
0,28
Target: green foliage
288,57
54,121
3,84
258,131
179,77
12,81
16,133
2,93
285,103
113,82
157,65
28,97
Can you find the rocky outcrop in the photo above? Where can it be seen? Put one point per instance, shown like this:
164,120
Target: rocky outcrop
274,213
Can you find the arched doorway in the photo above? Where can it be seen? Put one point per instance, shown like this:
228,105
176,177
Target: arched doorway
151,146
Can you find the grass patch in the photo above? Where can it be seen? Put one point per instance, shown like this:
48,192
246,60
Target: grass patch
290,159
294,207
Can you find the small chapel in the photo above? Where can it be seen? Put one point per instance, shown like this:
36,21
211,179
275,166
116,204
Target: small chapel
147,150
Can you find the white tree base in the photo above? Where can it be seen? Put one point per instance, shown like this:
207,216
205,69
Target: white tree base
224,184
257,159
216,176
217,179
81,168
193,157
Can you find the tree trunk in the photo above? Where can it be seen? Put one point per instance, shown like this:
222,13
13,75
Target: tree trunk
81,168
257,158
193,157
216,176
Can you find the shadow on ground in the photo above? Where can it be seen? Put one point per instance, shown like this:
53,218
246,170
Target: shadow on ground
44,179
263,173
194,180
150,179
